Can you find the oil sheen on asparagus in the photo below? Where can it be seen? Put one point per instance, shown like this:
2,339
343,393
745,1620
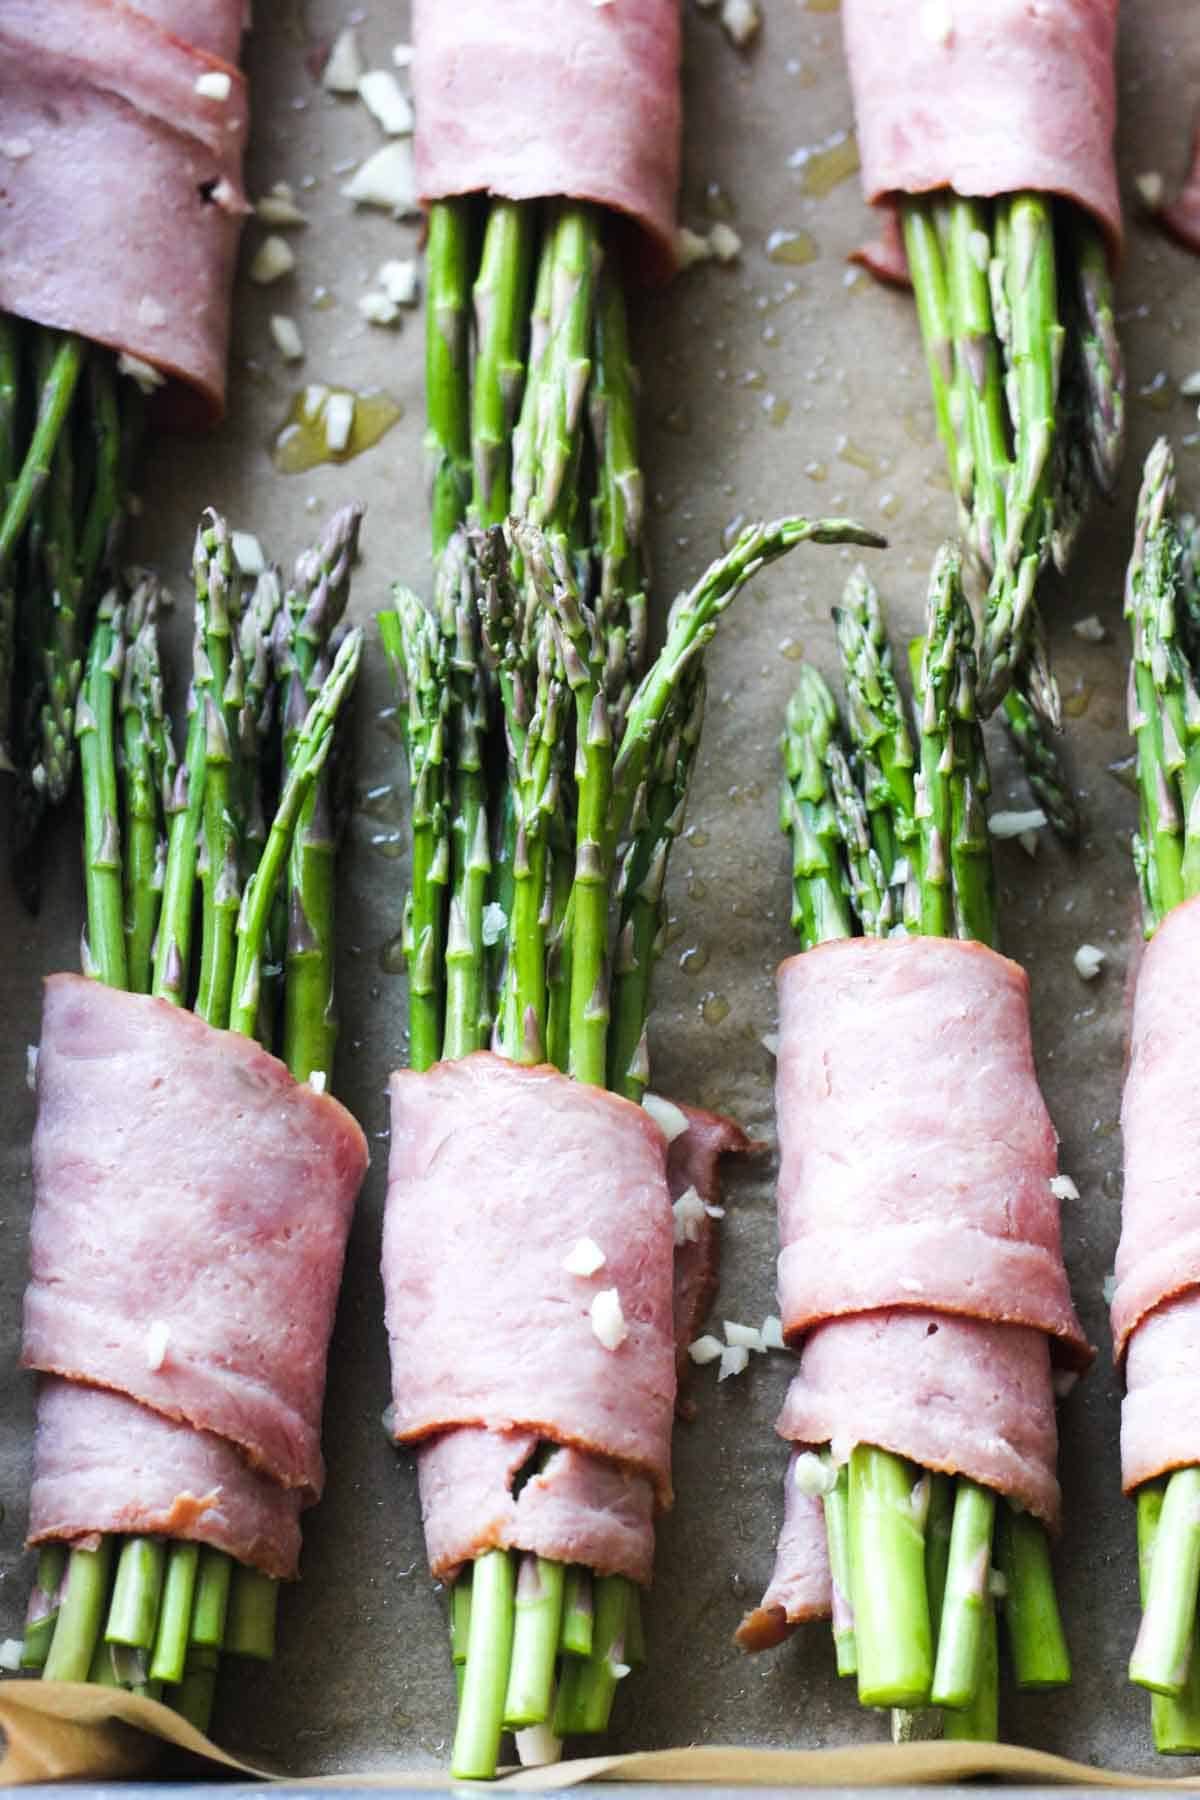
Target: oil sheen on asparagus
549,771
1162,604
272,670
888,833
1015,302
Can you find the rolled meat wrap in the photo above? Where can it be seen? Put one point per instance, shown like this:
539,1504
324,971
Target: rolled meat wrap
920,1273
528,100
987,97
145,263
911,1117
985,129
192,1202
486,1324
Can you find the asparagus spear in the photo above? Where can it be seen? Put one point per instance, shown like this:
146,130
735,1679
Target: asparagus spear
863,830
1015,304
140,1611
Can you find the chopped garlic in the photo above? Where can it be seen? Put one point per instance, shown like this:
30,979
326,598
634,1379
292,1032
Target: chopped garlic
11,1652
1151,188
1189,387
706,1349
1029,842
537,1746
344,66
318,1080
814,1475
17,148
398,279
997,1585
741,21
387,1419
1014,824
770,1043
495,923
937,22
1108,1288
1089,960
690,1213
726,244
377,309
247,552
1063,1188
691,247
1090,629
31,1063
670,1119
386,179
380,93
402,55
771,1332
734,1358
286,334
157,1339
747,1336
608,1320
214,84
339,421
273,258
279,207
585,1258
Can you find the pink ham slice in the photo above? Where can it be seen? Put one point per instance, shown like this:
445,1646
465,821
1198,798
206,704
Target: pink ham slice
1158,1257
986,97
536,98
1182,216
921,1262
120,183
186,1185
692,1162
911,1118
496,1172
103,1463
579,1508
801,1587
1156,1304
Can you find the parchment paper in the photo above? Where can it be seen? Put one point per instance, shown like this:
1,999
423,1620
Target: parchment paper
769,387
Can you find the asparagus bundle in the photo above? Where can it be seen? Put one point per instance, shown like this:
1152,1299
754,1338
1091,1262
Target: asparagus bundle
69,425
271,675
94,308
534,755
889,838
1162,604
1015,301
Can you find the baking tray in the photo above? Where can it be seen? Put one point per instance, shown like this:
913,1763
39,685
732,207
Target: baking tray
769,386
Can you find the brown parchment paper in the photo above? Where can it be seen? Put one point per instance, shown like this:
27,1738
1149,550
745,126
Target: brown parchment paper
769,386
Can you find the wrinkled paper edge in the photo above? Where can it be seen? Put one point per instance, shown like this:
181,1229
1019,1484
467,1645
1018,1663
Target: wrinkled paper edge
66,1730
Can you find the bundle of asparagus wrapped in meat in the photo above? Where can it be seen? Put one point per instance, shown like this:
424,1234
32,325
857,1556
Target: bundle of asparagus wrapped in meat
529,1236
920,1266
193,1190
986,133
124,131
1154,1305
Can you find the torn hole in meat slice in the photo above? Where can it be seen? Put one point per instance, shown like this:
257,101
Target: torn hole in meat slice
536,1463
